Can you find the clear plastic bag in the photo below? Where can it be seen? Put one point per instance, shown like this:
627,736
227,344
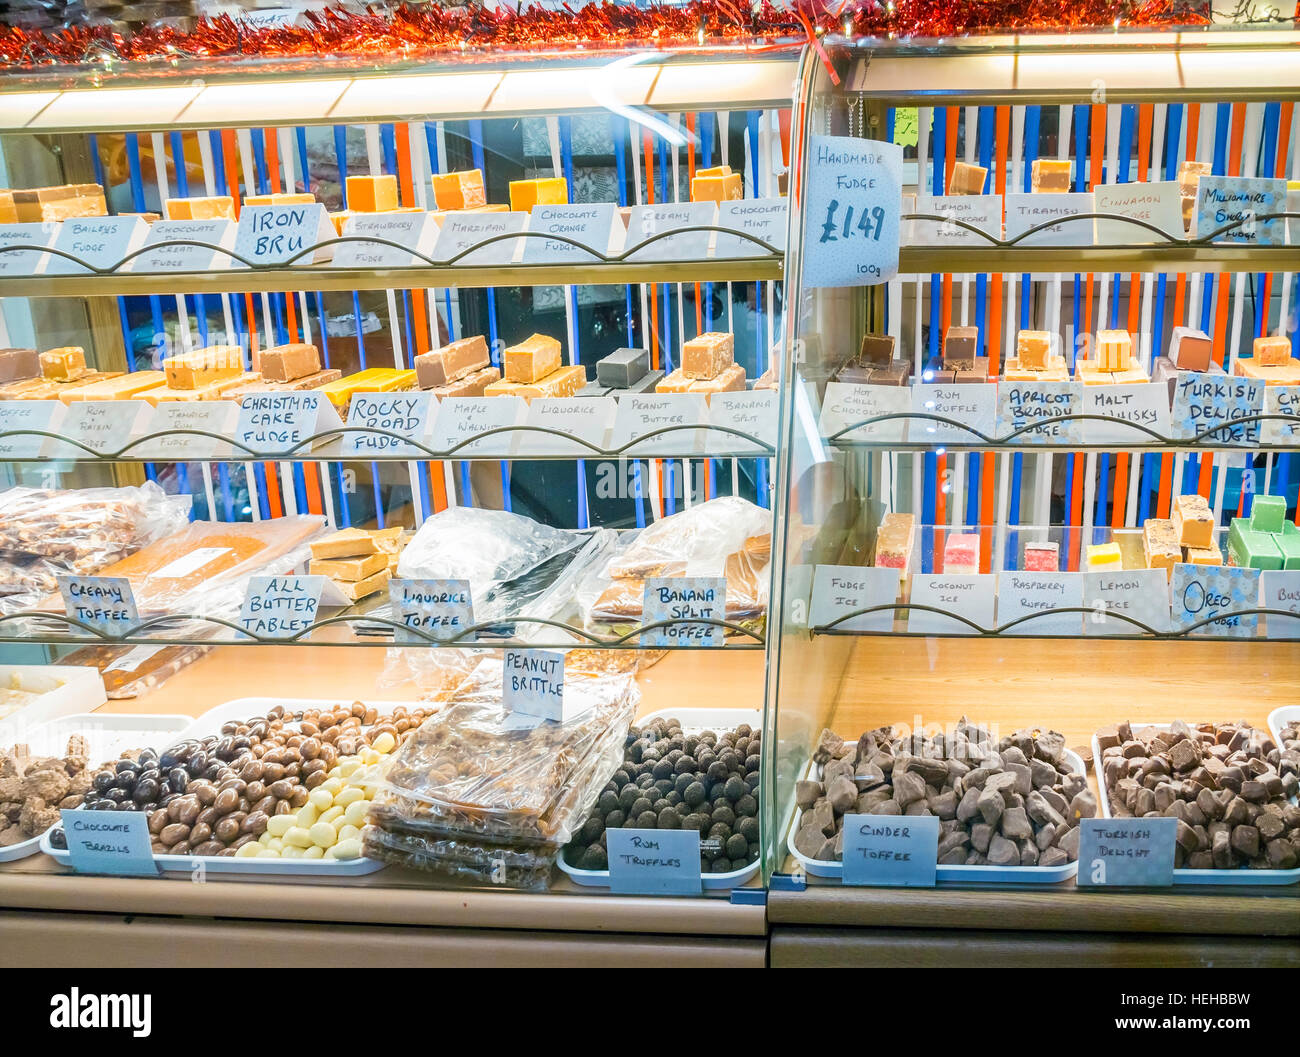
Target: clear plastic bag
463,860
130,671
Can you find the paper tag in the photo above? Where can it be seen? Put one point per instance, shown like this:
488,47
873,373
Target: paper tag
651,412
405,414
1281,400
752,412
1211,402
851,227
269,235
460,418
280,607
411,231
842,589
588,419
462,231
101,425
654,861
109,842
209,416
23,262
974,403
133,658
590,225
1201,591
1040,405
278,423
1222,200
441,609
893,850
760,218
907,125
848,403
1146,404
1280,589
684,599
981,211
191,561
1157,203
1132,852
1142,594
165,256
533,684
1020,594
969,595
648,221
106,603
98,241
16,415
1025,211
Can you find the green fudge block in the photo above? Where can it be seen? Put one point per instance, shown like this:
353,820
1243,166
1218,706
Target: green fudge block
1288,542
1268,513
1251,549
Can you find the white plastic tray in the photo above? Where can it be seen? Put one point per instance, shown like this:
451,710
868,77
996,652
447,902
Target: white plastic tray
242,708
693,719
1016,875
64,689
1280,717
1182,875
108,735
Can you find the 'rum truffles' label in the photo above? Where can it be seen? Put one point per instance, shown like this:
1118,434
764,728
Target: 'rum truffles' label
654,861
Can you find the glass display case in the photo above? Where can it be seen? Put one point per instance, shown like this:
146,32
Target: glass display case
1037,497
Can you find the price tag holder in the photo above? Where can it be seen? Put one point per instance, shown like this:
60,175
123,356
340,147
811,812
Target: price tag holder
854,197
441,609
270,235
1142,594
1127,852
1281,400
280,607
1144,404
648,221
980,211
98,241
18,415
461,418
752,412
109,842
1201,591
274,423
683,599
842,589
1280,589
411,231
590,225
1216,403
533,687
969,595
15,262
405,414
1040,405
1023,593
654,861
896,851
164,255
848,404
106,603
1158,203
463,231
643,414
974,404
1222,200
207,416
760,218
101,425
1025,211
588,419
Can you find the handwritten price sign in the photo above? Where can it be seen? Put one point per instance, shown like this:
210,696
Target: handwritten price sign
854,200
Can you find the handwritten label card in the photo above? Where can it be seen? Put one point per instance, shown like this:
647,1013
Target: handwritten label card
969,595
760,218
647,221
207,416
441,609
1279,589
588,419
1223,200
1281,400
281,607
275,423
839,590
106,603
15,262
1042,406
589,225
1141,594
411,231
461,232
983,212
648,413
279,234
20,415
849,408
1158,203
1031,594
1201,591
164,254
1144,404
974,404
533,684
98,241
854,197
405,414
891,850
109,842
683,599
461,418
654,861
1026,211
101,425
752,412
1214,404
1130,852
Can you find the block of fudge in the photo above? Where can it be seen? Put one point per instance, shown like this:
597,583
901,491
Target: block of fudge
1285,374
939,377
471,385
38,204
345,543
1131,375
897,373
217,207
767,380
1160,546
372,194
894,542
960,347
622,368
1189,176
976,372
1202,555
1190,349
1192,521
279,198
1089,372
218,390
647,384
351,569
563,382
967,179
1164,370
371,380
340,219
961,553
63,365
52,389
718,184
356,590
854,374
204,367
548,191
707,355
1035,348
1050,175
1268,513
1056,371
260,385
20,388
451,362
459,190
594,389
1251,549
284,363
1114,350
1104,556
16,364
1041,557
532,359
1288,543
1274,351
877,350
120,387
8,211
731,379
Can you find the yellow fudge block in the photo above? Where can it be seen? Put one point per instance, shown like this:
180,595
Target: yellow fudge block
1160,545
532,359
1203,556
564,382
1132,376
1089,372
346,543
63,365
204,367
1281,375
707,355
352,569
217,390
1034,349
714,186
1104,556
1056,371
218,207
1273,351
967,179
1114,350
355,591
371,380
731,379
548,191
64,202
123,387
372,194
8,211
1193,522
280,199
459,190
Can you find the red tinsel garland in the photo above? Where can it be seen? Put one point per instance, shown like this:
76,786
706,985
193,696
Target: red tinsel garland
411,33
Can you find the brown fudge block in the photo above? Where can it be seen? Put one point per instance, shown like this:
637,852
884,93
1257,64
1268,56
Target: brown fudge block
532,359
1034,348
1193,522
471,385
854,374
564,382
8,212
897,373
1050,175
1273,351
960,347
967,179
60,203
876,349
1190,349
63,365
451,362
19,363
346,543
204,367
731,379
940,377
350,569
298,385
707,355
979,372
1160,545
285,363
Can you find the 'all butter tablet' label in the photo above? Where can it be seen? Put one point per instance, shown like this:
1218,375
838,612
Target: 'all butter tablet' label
106,603
281,607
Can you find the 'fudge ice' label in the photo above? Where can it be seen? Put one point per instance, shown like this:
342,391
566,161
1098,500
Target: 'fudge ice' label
281,607
1045,407
891,850
654,861
106,603
440,609
1133,852
109,842
681,602
839,591
1213,407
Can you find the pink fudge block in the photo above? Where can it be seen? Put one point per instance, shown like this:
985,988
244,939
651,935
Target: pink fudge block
961,553
1042,558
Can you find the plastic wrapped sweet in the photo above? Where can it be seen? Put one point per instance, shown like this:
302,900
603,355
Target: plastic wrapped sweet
461,859
129,671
